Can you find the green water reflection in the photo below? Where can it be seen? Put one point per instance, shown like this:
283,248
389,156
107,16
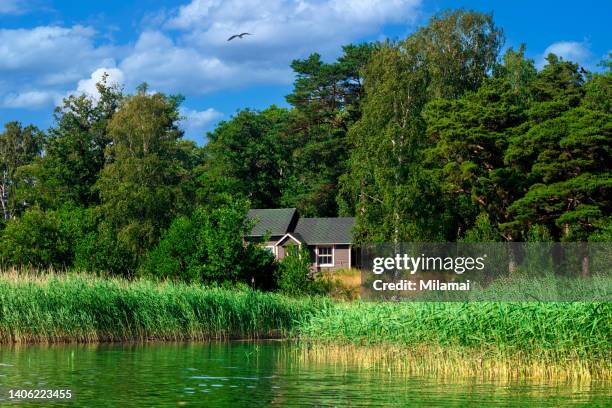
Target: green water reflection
250,374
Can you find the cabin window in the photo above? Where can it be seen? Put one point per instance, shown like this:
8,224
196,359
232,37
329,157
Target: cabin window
325,256
269,248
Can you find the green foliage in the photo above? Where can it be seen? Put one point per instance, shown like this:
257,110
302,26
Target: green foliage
74,150
99,252
395,198
475,41
327,102
598,89
565,153
538,233
294,274
19,147
330,92
559,82
141,185
245,156
517,70
482,231
208,247
604,231
469,136
44,238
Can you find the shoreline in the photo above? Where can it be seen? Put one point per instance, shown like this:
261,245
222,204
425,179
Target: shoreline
399,360
569,340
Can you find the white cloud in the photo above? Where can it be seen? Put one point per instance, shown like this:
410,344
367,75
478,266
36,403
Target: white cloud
215,15
30,99
285,29
282,31
170,67
195,123
186,50
574,51
157,60
193,12
41,64
88,86
47,50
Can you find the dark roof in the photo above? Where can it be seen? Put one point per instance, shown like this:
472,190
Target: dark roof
325,230
273,221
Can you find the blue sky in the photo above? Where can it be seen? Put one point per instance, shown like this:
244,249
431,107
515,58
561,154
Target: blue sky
51,48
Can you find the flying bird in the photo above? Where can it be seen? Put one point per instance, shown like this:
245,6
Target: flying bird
238,36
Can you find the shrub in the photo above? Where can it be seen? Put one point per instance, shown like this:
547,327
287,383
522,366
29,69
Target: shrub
44,238
482,231
294,275
208,247
99,252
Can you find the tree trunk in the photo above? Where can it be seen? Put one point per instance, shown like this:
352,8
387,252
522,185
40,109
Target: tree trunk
586,263
586,272
513,257
4,201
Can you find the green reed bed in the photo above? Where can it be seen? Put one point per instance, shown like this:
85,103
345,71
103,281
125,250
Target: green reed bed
565,341
83,308
557,330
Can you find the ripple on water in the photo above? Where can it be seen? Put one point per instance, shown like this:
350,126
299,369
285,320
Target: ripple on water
158,374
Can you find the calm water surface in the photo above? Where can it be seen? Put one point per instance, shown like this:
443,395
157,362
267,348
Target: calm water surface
250,374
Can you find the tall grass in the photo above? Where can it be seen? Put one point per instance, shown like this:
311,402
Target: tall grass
53,308
582,328
477,339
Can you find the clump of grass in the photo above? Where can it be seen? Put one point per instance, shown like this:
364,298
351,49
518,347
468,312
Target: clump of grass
83,308
344,284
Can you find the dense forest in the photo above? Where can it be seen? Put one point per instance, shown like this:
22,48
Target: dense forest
436,137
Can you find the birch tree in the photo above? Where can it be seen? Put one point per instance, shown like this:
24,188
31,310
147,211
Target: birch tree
396,200
19,146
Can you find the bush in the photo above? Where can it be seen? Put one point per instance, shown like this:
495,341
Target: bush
99,252
173,256
482,231
208,247
603,231
294,275
44,238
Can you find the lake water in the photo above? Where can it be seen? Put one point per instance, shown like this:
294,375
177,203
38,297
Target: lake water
248,374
